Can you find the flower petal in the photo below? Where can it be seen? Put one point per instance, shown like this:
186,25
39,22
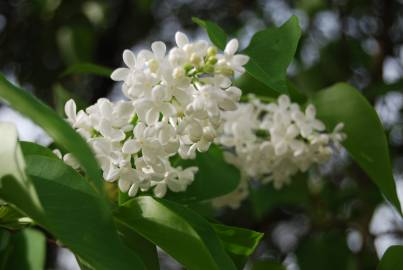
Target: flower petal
129,58
181,39
131,147
231,47
120,74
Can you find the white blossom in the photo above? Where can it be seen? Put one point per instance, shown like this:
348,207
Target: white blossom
175,102
272,142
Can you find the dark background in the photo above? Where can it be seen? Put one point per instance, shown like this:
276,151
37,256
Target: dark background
334,217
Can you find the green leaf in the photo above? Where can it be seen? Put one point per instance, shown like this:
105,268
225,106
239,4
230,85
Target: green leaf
265,198
61,201
180,232
26,251
271,51
143,247
324,251
366,141
30,148
216,34
239,242
55,126
218,176
236,240
268,265
87,68
392,259
12,219
67,198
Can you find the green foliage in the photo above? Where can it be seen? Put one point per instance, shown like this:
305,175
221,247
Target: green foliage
324,251
216,34
268,265
266,198
59,199
56,127
214,178
25,250
87,68
144,248
30,148
238,240
366,141
392,259
11,218
180,232
240,243
271,51
71,205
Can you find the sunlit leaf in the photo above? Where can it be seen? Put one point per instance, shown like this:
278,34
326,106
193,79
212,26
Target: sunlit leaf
240,243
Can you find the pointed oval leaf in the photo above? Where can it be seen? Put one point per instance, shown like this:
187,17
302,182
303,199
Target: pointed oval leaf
366,140
271,51
216,34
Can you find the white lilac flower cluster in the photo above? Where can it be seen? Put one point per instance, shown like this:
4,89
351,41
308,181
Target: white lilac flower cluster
272,142
175,101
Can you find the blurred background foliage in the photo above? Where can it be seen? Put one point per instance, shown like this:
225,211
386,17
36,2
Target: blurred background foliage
332,218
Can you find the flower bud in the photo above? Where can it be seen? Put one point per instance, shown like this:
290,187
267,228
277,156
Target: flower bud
212,51
178,73
208,68
195,59
153,65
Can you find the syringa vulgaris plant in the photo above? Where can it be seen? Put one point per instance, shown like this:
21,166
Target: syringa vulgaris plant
125,176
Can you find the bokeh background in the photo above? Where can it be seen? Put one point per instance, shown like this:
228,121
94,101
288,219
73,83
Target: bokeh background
333,219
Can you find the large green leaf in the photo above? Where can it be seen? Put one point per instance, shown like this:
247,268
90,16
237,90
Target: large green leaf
214,178
179,231
61,201
215,32
55,126
26,250
392,259
366,141
271,51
